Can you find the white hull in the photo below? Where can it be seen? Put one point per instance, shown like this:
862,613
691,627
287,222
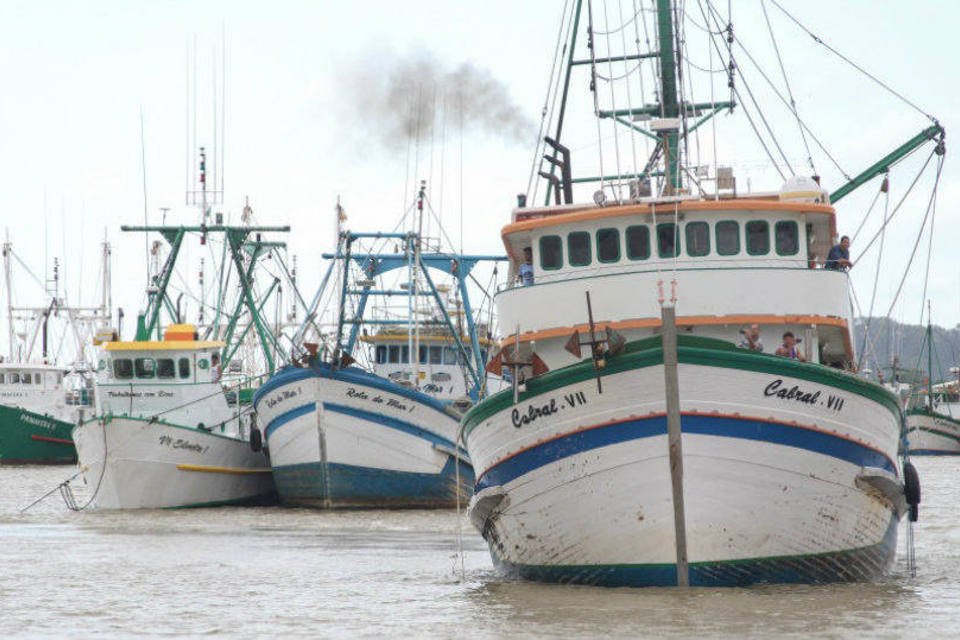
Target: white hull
775,488
351,439
131,463
934,435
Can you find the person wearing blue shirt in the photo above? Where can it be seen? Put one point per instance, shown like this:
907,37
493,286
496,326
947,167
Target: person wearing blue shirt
526,267
839,257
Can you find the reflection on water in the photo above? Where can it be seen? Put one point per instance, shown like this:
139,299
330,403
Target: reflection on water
272,571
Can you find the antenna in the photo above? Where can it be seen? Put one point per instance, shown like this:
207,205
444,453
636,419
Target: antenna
143,171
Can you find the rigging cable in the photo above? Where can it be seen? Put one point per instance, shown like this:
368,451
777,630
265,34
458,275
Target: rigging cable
885,189
623,46
923,225
853,64
736,94
593,87
899,204
786,81
933,216
613,105
779,95
756,105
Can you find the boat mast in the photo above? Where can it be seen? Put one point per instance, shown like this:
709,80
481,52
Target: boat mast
414,277
6,276
106,283
669,108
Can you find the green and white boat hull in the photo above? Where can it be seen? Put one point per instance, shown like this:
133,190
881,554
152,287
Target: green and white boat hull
27,437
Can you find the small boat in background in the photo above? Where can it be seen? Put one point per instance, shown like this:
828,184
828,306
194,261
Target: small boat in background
933,414
37,413
41,399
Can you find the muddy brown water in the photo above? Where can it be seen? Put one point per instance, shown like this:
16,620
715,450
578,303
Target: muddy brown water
274,572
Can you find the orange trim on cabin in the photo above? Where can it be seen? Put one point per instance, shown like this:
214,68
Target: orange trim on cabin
689,321
549,219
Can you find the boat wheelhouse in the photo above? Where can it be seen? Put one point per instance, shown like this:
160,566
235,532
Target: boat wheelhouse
735,262
440,370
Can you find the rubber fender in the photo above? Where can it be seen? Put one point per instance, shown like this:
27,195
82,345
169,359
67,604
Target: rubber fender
911,490
256,440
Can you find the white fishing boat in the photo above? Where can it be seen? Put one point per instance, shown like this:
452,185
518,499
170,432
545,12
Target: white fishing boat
668,455
167,433
341,435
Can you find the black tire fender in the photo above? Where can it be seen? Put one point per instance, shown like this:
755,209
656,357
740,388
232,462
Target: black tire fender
911,490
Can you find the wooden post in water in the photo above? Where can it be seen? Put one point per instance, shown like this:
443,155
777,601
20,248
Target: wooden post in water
672,392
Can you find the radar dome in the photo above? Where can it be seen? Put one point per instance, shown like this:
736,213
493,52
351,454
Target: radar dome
803,189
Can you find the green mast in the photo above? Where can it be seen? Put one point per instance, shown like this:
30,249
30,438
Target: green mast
669,107
237,241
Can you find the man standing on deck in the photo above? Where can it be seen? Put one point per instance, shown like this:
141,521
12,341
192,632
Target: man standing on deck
839,257
526,267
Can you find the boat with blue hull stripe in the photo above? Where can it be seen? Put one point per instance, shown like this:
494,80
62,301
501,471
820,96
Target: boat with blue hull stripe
289,416
933,452
621,431
355,486
851,565
369,416
353,375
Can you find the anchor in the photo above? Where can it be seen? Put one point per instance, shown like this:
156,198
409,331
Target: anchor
515,364
600,348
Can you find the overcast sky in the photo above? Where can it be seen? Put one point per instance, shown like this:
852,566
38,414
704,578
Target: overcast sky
75,77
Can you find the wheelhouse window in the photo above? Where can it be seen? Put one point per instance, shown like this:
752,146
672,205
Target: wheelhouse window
14,378
122,368
393,354
405,354
436,355
25,378
728,237
608,245
37,378
423,354
668,240
698,239
787,238
758,237
145,367
381,354
578,249
449,355
2,379
638,242
184,367
165,368
551,253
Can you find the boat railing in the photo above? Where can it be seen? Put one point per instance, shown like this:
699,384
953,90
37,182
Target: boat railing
736,263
